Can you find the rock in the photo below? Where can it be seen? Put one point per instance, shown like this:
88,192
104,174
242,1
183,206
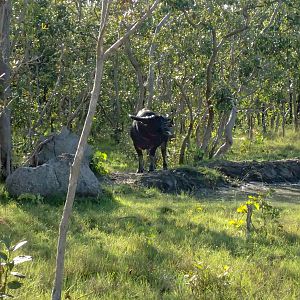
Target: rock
64,142
52,178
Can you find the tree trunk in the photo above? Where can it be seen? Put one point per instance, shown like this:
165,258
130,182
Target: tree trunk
263,119
218,137
139,75
151,60
283,118
277,122
250,124
291,107
5,117
272,120
209,73
191,125
209,128
116,104
228,133
295,107
101,55
75,168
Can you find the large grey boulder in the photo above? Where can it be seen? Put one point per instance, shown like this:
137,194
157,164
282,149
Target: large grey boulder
64,142
52,178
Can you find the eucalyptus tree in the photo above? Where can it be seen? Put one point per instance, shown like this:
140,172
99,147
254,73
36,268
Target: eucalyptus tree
5,114
102,54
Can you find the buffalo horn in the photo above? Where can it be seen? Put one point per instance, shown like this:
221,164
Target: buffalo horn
141,119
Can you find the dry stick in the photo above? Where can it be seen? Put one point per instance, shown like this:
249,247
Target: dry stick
75,168
36,150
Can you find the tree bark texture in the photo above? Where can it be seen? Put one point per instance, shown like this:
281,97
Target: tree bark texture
228,133
5,115
101,55
151,60
139,75
75,168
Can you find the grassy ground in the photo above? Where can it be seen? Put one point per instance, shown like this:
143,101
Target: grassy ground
269,148
141,244
122,157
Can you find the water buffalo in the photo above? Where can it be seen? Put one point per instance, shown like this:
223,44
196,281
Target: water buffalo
149,131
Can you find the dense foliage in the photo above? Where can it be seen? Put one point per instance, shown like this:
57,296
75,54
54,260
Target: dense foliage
195,60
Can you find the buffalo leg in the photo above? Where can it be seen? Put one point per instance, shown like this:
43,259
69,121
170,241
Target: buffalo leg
164,155
141,161
152,159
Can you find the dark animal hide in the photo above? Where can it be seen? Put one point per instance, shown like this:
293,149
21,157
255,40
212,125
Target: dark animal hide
149,131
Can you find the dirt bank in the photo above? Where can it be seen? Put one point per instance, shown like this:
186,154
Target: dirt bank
214,175
277,171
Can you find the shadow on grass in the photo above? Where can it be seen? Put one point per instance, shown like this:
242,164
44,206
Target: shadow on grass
48,211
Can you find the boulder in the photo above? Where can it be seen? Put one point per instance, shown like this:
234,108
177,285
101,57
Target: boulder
52,178
64,142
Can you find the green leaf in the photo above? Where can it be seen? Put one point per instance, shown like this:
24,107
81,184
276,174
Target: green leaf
256,205
19,245
17,274
10,265
237,223
21,258
13,285
6,242
242,209
3,256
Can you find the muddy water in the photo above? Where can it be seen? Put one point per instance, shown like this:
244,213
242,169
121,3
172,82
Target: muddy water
279,192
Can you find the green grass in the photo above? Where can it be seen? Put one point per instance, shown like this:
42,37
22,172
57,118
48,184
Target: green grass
122,157
141,244
272,147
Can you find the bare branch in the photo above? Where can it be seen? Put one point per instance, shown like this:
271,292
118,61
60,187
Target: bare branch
274,15
133,28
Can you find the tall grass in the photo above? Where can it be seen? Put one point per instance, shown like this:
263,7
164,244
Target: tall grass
271,147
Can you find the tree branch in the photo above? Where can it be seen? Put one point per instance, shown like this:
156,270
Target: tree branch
133,28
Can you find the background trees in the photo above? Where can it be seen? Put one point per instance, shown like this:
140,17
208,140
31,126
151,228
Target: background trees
206,63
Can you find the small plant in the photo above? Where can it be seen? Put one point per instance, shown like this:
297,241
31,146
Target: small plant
28,197
267,213
205,280
98,162
8,277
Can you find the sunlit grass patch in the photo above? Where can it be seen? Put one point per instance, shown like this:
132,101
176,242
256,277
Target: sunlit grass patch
140,243
266,148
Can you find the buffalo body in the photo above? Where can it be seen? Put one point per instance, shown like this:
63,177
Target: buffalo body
150,130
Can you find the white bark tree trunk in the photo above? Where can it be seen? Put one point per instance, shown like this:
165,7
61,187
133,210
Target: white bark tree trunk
5,115
151,60
228,133
101,55
75,168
